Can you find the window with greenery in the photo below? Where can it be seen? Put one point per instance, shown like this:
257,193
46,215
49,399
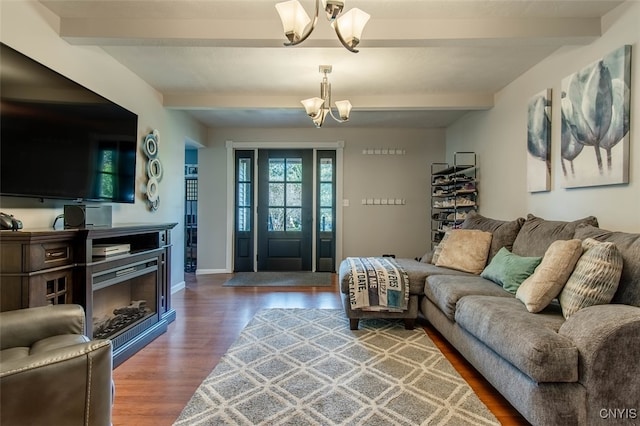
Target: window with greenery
285,194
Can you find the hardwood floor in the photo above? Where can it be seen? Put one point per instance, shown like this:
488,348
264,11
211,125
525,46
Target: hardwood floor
154,385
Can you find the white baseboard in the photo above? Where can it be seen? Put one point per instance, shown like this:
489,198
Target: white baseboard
177,287
212,271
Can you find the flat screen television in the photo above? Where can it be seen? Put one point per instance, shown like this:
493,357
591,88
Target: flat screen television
61,140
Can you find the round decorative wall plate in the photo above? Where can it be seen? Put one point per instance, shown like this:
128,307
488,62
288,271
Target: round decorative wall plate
152,189
154,169
150,145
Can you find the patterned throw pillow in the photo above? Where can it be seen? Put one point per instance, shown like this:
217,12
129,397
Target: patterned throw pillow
438,249
537,291
465,250
595,278
510,270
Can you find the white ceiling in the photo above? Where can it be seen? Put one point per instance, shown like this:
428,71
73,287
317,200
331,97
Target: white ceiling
421,63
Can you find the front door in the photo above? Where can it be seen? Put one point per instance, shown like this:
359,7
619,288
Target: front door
285,210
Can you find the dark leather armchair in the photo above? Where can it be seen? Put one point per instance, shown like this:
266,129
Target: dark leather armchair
51,373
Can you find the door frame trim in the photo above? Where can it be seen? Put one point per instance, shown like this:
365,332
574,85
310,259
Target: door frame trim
231,146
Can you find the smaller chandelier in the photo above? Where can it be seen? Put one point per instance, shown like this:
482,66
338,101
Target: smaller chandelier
348,26
319,108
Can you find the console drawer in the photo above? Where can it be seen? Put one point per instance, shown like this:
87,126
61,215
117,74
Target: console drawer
48,255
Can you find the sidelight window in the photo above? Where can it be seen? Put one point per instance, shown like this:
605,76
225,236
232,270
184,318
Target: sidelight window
244,195
326,194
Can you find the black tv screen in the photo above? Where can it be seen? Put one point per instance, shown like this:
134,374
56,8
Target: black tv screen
61,140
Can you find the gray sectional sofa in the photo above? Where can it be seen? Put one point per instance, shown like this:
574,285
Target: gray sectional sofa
583,370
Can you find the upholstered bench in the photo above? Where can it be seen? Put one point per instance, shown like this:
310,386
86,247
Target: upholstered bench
417,273
409,316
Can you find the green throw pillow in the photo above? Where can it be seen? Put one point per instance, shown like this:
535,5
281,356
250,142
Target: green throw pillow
510,270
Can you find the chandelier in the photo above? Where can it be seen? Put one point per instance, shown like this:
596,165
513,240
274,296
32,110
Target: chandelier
319,108
348,26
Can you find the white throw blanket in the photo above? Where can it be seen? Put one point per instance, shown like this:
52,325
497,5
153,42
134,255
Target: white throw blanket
377,284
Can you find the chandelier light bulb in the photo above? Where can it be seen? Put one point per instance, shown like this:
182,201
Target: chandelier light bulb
344,108
351,24
312,106
294,19
297,24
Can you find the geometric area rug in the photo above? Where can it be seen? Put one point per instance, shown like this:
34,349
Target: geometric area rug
306,367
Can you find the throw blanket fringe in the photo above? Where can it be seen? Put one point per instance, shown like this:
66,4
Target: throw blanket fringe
377,284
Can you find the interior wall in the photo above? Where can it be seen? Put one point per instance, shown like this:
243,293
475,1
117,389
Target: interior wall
369,230
499,136
31,29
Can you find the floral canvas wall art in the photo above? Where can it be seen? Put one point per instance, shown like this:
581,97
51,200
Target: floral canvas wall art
539,142
595,122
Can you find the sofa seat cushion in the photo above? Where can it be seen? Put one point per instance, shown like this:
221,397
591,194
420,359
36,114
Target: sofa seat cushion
44,345
528,341
57,342
445,290
10,354
416,271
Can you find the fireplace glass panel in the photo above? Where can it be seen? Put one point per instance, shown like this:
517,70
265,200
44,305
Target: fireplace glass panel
122,305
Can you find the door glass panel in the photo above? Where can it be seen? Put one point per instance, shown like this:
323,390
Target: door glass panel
276,194
244,194
326,195
294,169
244,219
285,190
294,194
276,169
326,169
244,170
276,219
294,219
326,219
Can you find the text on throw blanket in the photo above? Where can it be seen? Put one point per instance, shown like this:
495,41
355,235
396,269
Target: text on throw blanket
376,283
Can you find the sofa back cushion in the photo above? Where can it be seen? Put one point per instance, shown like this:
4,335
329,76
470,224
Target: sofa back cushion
504,232
628,244
537,234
